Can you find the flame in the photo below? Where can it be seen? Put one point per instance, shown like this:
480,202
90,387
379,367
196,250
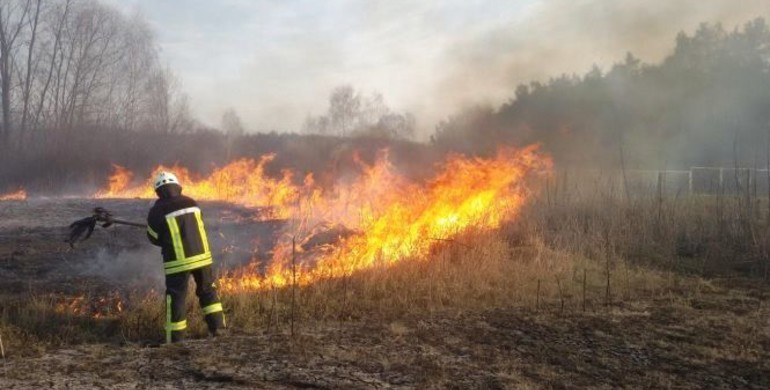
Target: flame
396,219
389,218
20,194
242,182
119,182
95,307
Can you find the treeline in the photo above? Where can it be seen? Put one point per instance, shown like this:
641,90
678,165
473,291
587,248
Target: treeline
86,163
82,86
77,64
352,113
707,103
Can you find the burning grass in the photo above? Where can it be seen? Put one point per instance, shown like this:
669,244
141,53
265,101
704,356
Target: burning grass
392,223
393,218
574,291
591,251
591,262
242,182
477,270
19,194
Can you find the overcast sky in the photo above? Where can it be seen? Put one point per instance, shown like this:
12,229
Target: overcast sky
275,61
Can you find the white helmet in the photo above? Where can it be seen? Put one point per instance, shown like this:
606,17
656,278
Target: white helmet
164,178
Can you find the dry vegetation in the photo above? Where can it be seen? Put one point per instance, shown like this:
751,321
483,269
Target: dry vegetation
593,284
584,288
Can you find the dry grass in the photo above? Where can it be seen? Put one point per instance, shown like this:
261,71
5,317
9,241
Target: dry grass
524,306
706,235
567,252
477,271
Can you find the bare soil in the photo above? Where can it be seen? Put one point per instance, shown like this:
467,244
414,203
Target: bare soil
34,256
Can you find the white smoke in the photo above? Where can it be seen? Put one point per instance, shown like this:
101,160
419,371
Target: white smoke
135,268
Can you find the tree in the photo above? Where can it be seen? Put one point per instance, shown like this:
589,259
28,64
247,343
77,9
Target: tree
31,70
71,65
316,125
344,109
396,125
352,113
712,92
13,15
231,123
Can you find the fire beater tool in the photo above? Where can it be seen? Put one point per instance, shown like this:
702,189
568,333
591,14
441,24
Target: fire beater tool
82,229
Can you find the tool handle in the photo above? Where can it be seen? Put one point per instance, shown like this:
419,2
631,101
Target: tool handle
122,222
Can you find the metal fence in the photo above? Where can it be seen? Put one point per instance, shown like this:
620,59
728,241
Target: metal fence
696,180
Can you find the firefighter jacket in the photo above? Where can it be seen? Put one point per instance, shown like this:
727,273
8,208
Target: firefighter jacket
175,224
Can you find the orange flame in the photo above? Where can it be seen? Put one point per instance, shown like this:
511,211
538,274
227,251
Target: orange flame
394,218
95,307
20,194
242,182
398,219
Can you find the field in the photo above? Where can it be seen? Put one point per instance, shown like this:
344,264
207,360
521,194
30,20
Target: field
408,195
585,290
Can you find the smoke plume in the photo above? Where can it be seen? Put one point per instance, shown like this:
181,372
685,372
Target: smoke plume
564,36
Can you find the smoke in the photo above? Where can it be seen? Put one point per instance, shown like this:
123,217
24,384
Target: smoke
566,36
132,268
275,63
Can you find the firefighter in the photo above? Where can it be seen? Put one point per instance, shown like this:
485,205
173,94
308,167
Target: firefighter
175,224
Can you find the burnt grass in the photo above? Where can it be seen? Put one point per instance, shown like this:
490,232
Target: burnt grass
650,345
712,337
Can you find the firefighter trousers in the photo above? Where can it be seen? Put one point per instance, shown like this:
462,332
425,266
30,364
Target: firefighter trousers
176,307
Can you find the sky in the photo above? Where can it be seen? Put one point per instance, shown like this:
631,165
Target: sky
275,61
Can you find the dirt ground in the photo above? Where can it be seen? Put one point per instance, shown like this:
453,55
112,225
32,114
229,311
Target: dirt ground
717,340
34,256
715,337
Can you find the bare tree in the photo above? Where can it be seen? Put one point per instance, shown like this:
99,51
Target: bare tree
181,116
57,20
33,23
344,109
81,64
231,123
141,88
13,14
352,113
395,125
233,128
166,108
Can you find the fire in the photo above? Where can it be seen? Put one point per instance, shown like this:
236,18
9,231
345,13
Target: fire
398,219
95,307
20,194
242,182
389,217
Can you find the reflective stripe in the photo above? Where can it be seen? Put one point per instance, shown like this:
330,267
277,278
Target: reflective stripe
172,326
190,267
182,212
202,231
182,263
151,232
176,238
189,260
176,326
168,319
214,308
